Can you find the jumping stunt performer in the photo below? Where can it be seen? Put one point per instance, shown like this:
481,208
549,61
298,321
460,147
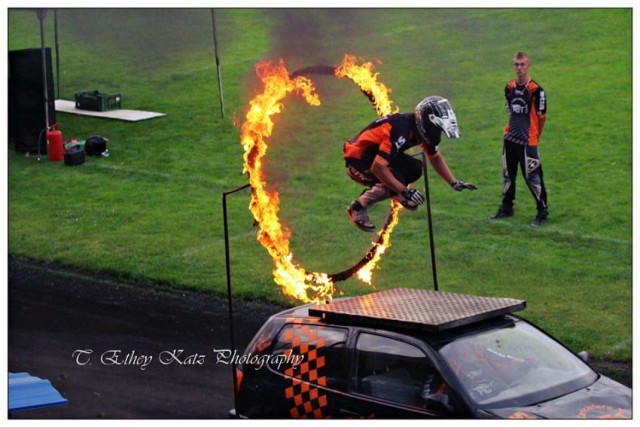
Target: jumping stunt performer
527,107
376,157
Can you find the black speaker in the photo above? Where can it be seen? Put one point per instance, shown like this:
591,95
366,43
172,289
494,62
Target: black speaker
27,113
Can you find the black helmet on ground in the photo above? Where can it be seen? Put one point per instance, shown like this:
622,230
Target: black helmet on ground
96,146
436,111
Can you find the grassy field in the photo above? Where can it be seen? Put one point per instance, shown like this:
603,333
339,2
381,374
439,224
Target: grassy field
153,211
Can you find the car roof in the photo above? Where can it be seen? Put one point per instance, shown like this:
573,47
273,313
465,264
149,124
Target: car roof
408,308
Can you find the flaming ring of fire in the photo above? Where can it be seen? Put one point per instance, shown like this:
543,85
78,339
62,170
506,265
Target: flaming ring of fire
294,280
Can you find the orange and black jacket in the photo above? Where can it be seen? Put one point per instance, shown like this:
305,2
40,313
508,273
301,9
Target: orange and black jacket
387,137
527,105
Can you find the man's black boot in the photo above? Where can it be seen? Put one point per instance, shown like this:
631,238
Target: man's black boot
503,212
541,218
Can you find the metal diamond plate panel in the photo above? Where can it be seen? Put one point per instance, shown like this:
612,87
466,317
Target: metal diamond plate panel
416,308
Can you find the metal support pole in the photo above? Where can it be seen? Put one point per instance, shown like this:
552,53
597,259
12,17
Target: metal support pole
55,26
432,248
215,45
42,13
229,287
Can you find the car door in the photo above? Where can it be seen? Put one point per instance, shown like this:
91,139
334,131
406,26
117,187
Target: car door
391,376
311,370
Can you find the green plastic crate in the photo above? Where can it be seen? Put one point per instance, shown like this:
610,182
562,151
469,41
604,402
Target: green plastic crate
95,101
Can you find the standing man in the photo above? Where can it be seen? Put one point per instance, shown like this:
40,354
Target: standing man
376,157
526,104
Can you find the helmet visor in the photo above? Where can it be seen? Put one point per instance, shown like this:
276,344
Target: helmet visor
445,119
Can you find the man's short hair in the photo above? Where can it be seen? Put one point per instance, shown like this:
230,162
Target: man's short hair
521,55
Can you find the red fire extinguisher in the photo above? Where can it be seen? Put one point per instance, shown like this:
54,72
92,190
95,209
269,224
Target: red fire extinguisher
54,144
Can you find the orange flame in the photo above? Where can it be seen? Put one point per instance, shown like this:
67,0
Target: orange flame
364,76
294,280
258,126
366,272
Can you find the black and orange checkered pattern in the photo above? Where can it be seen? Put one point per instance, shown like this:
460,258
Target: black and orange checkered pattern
307,401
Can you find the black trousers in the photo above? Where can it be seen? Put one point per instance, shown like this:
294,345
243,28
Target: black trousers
405,168
528,159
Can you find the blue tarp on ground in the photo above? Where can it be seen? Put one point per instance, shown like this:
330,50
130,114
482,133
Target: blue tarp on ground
27,392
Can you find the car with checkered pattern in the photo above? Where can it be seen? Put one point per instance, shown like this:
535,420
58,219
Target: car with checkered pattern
344,360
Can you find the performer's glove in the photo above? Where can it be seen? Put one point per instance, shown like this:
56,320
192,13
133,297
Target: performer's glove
461,185
413,195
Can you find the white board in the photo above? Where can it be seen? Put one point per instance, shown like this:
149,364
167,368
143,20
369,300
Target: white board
128,115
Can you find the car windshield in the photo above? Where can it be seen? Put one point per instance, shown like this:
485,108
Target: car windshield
516,365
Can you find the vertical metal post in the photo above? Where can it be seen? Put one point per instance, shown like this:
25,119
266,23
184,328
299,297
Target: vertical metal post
229,287
55,26
42,13
432,248
215,45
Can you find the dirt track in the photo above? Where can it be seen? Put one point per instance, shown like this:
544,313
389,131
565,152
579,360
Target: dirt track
55,311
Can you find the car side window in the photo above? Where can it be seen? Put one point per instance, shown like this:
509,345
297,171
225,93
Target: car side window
313,353
394,370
